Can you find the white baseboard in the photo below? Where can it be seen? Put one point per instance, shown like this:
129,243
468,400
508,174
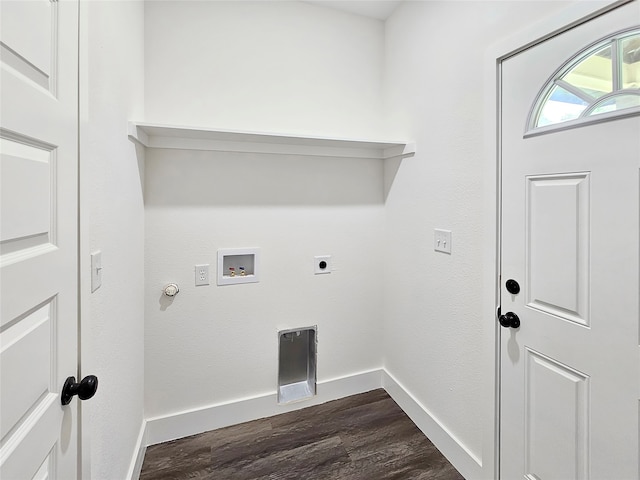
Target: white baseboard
191,422
453,449
140,450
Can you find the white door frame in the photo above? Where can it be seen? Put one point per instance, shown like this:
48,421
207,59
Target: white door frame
563,20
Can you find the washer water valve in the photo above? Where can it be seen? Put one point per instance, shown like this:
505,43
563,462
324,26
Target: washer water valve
171,290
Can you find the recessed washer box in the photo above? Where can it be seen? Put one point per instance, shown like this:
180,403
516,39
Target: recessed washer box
238,265
297,359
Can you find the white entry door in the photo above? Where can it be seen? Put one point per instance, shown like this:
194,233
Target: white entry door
570,239
38,238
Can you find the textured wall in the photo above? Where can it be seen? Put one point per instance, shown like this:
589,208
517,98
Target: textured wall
265,66
434,338
292,67
112,91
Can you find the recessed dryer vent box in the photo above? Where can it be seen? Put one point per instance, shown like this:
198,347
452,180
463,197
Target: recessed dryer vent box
238,265
297,356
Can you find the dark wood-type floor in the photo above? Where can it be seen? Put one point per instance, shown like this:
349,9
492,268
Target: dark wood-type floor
365,436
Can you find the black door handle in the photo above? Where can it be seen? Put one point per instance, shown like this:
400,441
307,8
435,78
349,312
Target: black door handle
85,389
509,320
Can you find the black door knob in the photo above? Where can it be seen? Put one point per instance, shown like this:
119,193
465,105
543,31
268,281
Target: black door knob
85,389
509,320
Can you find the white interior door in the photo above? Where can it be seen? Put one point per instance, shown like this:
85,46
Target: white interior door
570,211
38,237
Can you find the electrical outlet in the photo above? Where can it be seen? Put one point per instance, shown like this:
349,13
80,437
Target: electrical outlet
442,241
322,264
202,275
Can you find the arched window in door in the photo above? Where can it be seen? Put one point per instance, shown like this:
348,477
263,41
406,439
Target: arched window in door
600,82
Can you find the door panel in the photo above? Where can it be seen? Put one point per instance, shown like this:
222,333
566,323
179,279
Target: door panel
28,343
38,238
556,397
558,265
31,51
27,212
570,375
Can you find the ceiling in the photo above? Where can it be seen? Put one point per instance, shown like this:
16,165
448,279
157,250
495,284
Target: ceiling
380,9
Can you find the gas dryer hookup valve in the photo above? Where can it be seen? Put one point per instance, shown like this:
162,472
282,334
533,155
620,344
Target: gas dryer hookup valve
171,290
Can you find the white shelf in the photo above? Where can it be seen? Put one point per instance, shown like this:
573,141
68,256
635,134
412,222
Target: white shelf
194,138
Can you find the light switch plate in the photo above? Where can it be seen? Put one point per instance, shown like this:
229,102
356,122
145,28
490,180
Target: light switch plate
96,270
442,241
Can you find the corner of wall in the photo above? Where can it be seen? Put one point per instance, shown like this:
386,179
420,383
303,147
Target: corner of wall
111,209
460,456
139,452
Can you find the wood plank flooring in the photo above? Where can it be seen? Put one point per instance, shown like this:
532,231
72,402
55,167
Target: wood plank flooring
362,437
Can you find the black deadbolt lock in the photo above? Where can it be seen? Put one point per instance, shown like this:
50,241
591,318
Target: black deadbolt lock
322,264
513,287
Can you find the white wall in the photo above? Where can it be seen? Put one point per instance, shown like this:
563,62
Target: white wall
437,333
292,67
112,220
265,66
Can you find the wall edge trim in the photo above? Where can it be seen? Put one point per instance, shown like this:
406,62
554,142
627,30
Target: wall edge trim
138,453
460,456
191,422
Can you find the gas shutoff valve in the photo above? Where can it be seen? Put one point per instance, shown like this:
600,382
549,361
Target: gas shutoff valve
171,290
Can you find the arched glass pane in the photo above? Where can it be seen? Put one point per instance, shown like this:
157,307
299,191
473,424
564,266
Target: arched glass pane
618,102
603,78
631,62
561,106
594,74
